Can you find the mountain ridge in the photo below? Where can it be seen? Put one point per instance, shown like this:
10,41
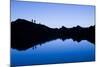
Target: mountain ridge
24,33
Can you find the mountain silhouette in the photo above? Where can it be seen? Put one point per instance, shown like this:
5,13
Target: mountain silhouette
26,34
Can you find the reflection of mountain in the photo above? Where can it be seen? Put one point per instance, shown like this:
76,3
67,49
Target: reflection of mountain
25,34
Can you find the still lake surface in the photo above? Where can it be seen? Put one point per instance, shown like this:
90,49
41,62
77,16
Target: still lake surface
56,51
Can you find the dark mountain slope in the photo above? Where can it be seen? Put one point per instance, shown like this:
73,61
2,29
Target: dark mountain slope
25,34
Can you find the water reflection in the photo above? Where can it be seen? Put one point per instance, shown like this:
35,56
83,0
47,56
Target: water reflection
24,45
26,34
56,51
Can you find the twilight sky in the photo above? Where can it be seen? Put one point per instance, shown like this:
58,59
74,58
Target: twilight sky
54,15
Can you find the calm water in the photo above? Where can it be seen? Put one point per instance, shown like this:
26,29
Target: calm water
56,51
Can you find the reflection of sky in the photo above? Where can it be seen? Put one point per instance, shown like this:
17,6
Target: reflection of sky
56,51
54,15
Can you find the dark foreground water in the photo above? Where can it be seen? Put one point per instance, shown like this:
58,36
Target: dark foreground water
56,51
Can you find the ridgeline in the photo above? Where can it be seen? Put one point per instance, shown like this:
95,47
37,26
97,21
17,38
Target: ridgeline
26,34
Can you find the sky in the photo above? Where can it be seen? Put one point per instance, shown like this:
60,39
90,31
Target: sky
54,15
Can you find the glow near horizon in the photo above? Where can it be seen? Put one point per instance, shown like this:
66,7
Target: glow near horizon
54,15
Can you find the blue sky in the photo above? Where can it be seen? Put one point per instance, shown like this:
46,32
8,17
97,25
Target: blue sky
54,15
